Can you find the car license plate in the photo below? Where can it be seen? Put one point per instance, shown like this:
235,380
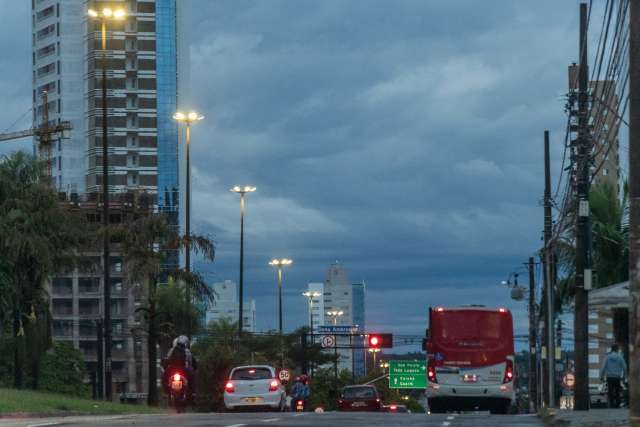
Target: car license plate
470,378
176,385
254,399
358,404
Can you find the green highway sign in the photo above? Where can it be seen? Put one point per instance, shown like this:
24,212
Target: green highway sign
407,374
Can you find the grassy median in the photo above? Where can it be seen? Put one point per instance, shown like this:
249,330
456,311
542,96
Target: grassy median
16,402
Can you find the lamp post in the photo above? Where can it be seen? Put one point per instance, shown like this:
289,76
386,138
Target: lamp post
188,119
279,264
242,191
334,314
103,16
310,296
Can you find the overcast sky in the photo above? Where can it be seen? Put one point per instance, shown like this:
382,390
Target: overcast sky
402,138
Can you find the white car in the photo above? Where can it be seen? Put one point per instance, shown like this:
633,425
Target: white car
255,386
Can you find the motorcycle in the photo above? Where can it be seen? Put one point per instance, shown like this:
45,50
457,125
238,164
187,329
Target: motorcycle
178,391
299,405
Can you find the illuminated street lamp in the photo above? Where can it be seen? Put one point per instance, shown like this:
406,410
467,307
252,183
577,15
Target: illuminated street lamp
242,191
105,373
310,296
188,119
334,314
279,264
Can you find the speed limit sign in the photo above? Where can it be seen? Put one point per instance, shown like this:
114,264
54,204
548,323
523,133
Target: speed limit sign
327,341
284,375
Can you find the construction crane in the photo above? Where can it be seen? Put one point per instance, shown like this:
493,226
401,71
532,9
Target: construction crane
45,133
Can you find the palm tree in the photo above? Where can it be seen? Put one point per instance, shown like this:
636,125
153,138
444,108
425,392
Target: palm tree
140,238
38,237
609,241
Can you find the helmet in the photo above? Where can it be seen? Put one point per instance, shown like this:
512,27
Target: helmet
183,341
304,379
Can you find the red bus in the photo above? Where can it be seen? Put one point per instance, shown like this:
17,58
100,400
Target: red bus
470,359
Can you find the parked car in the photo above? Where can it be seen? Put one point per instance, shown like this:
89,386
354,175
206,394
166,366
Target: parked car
255,386
359,398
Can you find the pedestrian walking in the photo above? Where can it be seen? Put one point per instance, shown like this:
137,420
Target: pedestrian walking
613,371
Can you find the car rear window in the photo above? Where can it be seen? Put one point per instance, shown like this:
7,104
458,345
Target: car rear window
251,374
359,393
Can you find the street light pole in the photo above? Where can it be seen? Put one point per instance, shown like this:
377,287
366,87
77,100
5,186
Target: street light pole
279,263
334,314
103,16
242,191
310,296
188,119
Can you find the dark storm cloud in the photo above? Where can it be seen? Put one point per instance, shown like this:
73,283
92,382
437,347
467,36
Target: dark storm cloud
402,138
15,71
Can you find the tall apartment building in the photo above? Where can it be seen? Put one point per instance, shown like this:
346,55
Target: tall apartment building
226,306
77,305
605,128
337,296
605,133
146,64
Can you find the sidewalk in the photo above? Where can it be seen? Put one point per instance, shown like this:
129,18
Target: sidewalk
56,421
591,418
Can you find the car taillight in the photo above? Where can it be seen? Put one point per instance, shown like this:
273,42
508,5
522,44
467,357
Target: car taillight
431,371
508,372
274,385
229,387
393,407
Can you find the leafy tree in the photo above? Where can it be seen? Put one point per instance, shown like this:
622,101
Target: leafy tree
141,236
38,237
63,371
610,241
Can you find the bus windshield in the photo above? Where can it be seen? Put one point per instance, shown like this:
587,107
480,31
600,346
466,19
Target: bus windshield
486,336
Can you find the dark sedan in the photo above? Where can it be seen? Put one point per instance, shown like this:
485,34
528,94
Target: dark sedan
359,398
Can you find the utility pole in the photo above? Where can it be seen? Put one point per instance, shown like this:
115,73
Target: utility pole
634,217
582,271
549,343
533,392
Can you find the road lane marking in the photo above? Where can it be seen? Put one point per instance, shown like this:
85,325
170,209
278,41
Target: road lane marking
446,423
270,420
236,425
450,417
299,414
44,424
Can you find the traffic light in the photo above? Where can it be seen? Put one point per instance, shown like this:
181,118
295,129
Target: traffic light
380,340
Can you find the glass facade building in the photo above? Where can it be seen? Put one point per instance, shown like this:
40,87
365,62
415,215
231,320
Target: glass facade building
167,88
358,293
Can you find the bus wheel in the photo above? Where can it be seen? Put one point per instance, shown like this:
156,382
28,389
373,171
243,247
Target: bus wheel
435,407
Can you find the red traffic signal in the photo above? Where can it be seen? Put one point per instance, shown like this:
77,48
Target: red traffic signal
380,340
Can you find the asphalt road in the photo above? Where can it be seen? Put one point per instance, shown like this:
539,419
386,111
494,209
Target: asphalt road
333,419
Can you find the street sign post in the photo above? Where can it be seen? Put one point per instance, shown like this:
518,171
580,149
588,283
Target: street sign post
284,375
328,341
408,374
338,329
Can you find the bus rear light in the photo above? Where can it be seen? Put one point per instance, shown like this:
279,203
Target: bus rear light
431,372
439,309
502,310
508,372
